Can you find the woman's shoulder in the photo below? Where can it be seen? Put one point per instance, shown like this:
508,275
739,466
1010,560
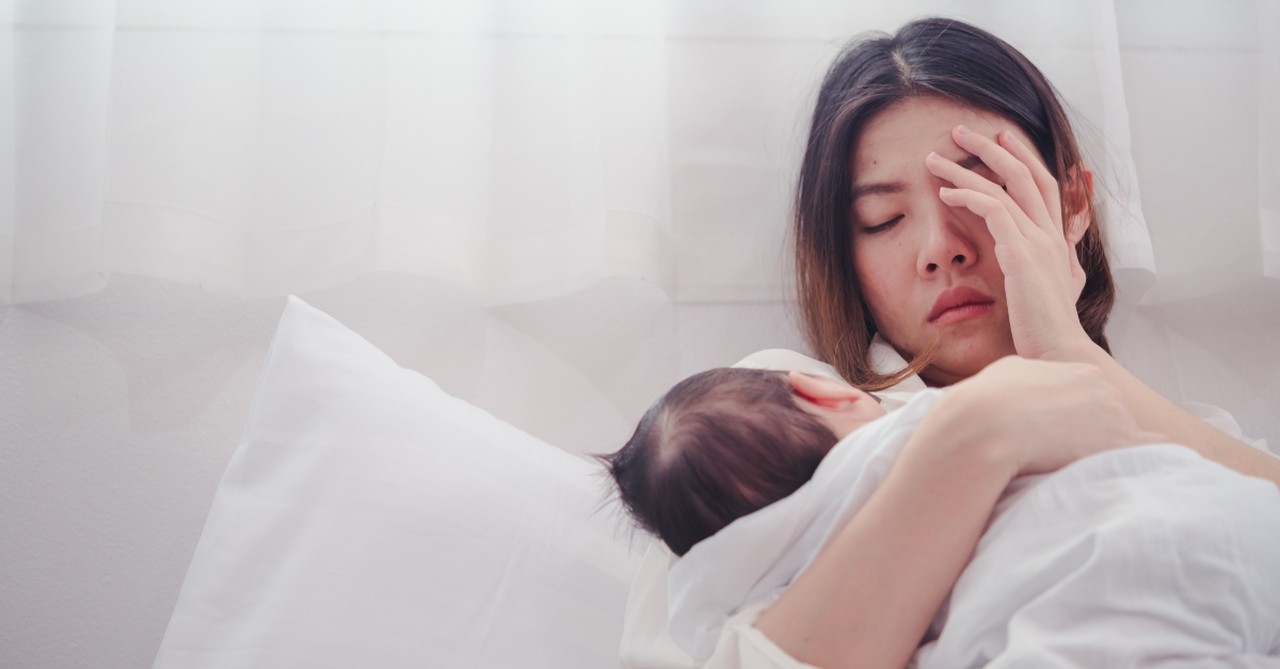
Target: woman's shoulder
883,356
786,360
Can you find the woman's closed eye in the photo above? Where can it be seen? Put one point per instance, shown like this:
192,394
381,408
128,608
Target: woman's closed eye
873,229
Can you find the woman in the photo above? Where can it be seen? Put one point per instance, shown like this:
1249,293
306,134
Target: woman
943,214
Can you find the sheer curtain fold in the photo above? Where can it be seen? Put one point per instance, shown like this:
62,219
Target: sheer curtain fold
55,68
518,150
1269,135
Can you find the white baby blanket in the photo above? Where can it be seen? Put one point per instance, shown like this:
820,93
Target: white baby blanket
1136,557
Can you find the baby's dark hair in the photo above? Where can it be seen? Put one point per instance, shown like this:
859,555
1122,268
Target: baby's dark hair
719,445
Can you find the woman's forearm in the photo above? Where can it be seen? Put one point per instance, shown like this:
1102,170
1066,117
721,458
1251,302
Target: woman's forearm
1156,413
869,596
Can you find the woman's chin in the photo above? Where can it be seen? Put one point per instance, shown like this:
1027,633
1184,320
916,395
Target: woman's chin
959,360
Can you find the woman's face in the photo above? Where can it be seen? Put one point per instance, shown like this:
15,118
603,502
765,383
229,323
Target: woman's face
925,269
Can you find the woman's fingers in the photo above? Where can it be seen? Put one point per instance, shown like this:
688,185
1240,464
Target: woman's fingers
1045,183
993,210
1049,414
1078,276
963,177
1018,174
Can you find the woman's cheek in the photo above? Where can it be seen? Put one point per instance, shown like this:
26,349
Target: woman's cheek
876,293
888,284
882,266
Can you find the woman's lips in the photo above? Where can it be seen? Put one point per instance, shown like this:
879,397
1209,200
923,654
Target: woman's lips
958,304
962,313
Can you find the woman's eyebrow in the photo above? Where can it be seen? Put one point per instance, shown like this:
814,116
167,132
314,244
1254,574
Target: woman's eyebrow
887,188
968,162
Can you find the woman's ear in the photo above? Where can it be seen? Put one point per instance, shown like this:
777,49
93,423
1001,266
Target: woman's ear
1077,195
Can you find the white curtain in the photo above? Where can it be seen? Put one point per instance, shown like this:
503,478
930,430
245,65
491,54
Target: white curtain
1269,134
519,150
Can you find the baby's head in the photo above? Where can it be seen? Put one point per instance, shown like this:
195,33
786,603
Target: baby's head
727,442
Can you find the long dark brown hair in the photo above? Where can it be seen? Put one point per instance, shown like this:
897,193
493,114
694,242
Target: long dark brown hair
929,57
719,445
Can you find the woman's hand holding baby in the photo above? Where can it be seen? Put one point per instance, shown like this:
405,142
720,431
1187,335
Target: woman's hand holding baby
1034,416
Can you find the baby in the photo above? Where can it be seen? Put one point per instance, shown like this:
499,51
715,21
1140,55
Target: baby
1128,557
727,442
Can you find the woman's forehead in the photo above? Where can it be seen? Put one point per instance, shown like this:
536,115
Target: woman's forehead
904,133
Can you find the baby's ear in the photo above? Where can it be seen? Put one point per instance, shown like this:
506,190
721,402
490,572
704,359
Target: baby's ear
822,391
1077,196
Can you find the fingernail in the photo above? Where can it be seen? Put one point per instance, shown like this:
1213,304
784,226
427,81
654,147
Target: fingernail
962,130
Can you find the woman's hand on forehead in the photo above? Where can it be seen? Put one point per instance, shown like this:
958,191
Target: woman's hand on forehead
1043,277
1030,186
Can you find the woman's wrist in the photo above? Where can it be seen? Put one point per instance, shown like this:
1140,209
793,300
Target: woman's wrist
965,425
1076,349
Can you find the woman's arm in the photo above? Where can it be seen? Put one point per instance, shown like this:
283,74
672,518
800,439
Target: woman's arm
1043,279
1154,412
869,596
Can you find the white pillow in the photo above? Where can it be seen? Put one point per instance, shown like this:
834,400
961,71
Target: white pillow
368,519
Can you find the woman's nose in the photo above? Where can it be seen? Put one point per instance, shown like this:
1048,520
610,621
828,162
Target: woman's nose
947,244
957,259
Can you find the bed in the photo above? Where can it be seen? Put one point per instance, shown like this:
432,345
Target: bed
369,518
